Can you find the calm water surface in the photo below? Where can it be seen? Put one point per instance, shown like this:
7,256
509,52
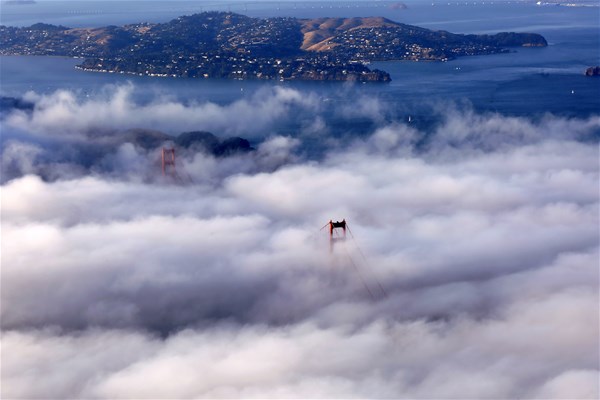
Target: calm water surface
527,82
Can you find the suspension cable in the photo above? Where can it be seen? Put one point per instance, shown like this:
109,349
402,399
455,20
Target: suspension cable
357,270
383,291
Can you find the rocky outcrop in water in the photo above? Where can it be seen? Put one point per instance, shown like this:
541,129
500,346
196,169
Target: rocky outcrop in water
592,71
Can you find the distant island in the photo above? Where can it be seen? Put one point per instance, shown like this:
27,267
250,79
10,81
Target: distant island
229,45
592,71
18,2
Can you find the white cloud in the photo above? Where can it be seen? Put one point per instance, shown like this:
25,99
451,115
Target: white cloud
485,241
495,357
64,114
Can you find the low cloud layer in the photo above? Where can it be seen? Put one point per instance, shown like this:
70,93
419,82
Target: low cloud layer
66,113
471,270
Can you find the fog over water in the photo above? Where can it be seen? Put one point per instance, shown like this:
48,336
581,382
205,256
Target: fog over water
470,271
485,242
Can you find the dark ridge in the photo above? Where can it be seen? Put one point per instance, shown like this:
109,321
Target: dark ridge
211,144
10,103
199,141
145,138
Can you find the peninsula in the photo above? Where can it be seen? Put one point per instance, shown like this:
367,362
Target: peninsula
229,45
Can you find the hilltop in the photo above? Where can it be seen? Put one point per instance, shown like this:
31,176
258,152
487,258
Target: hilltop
228,45
317,32
378,39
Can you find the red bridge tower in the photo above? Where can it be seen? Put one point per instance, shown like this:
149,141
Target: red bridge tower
332,229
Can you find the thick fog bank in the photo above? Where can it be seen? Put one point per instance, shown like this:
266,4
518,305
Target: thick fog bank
470,269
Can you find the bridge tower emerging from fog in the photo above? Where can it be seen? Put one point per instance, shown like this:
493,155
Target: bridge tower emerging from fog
333,233
168,162
335,236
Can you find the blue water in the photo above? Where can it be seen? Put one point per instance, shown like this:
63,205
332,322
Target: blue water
527,82
460,16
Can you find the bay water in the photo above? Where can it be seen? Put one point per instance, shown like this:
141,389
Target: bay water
527,82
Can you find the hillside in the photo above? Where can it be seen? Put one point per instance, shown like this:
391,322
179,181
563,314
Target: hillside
320,30
228,45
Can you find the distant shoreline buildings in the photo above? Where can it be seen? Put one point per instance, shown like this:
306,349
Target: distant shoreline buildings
234,46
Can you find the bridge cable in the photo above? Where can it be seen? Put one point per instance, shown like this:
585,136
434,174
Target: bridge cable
362,279
383,291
